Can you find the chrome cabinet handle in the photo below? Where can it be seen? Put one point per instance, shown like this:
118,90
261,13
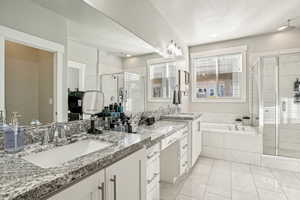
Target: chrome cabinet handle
114,180
185,163
199,126
154,176
152,155
185,146
102,191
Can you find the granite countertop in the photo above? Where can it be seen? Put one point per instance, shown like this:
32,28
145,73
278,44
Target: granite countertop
21,179
182,116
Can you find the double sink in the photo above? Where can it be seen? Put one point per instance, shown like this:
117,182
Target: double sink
58,156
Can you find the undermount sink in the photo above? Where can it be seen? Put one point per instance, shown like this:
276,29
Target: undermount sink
59,155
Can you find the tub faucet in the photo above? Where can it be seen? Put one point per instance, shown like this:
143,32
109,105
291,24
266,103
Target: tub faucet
236,127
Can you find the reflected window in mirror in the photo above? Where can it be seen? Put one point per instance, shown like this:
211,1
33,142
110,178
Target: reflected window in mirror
161,81
76,76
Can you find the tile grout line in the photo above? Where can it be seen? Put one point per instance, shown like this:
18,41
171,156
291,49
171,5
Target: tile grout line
210,173
256,188
279,182
231,180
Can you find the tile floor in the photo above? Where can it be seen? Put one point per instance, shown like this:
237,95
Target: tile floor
213,179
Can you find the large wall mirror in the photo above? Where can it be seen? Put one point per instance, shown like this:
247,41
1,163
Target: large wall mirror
96,47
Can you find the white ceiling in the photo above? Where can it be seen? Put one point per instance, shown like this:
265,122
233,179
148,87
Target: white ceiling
204,21
88,26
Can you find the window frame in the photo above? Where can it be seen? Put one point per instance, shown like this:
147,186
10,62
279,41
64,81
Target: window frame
221,52
149,92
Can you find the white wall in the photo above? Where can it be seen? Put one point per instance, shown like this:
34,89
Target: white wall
256,45
138,64
87,55
108,63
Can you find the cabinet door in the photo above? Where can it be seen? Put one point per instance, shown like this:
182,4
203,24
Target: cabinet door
126,179
87,189
199,139
196,141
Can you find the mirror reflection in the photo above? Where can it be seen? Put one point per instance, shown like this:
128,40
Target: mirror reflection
93,60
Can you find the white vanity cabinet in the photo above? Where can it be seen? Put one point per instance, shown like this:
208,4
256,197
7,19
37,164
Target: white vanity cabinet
196,141
90,188
124,180
174,160
153,172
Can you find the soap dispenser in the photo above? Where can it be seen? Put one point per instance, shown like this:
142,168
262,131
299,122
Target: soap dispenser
13,136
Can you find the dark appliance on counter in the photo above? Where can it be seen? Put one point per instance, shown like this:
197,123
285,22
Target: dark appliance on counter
75,105
297,91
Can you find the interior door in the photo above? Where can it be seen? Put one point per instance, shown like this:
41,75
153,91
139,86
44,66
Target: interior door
126,179
289,105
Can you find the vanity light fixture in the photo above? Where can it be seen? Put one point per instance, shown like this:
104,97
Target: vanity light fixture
128,55
286,27
173,50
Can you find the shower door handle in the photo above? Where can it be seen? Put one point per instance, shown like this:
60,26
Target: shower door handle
283,106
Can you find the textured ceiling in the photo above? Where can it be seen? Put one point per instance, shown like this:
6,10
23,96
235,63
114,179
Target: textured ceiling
204,21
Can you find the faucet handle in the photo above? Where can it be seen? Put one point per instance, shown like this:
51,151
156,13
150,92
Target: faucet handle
46,137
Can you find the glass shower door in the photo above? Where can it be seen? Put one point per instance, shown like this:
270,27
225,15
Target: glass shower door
289,108
268,72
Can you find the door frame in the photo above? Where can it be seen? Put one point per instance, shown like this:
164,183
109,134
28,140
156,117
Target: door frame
8,34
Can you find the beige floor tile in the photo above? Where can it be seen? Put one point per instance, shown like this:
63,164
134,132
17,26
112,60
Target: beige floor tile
270,195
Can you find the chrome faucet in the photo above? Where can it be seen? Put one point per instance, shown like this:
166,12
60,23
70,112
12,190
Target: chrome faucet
59,139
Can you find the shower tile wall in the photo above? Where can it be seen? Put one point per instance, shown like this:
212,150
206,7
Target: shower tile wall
289,127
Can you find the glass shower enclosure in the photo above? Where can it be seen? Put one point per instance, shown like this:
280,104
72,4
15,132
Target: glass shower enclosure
276,102
126,88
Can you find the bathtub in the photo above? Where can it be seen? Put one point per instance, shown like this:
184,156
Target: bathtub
228,142
228,128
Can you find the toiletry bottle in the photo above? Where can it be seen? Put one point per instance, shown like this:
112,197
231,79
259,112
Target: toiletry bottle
2,121
121,107
14,136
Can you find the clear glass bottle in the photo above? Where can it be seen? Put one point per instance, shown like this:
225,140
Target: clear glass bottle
13,136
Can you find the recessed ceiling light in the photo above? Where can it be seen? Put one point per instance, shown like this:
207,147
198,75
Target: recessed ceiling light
286,27
128,55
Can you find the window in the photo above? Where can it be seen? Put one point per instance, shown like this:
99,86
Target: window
161,81
219,76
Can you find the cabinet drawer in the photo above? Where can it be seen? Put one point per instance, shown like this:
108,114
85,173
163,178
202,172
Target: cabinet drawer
183,143
183,163
153,183
183,132
153,168
153,152
153,194
168,141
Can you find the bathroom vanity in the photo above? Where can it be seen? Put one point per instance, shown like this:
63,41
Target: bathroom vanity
194,139
111,166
